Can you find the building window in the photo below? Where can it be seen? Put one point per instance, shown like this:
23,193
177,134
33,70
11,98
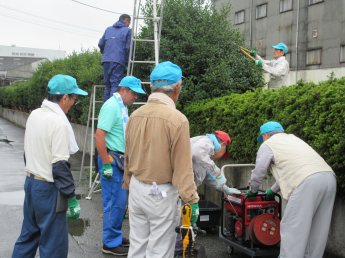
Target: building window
314,57
261,11
311,2
285,5
342,54
239,17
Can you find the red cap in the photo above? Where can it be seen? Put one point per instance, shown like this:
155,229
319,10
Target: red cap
223,136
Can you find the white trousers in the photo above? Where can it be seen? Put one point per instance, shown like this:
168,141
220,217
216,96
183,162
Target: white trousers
306,221
152,220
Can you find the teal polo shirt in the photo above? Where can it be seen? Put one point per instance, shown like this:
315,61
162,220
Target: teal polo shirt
110,120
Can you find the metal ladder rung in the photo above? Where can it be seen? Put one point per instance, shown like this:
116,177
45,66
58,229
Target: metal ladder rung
142,62
144,40
146,18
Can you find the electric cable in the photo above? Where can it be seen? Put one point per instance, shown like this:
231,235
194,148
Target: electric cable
43,25
95,7
49,19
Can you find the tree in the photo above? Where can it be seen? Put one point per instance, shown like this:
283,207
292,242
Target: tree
201,40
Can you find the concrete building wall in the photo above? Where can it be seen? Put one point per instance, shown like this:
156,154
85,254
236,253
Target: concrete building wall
304,28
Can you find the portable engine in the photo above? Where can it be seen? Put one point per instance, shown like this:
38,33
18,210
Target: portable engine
253,221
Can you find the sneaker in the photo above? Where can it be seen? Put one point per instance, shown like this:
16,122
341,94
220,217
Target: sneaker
118,251
125,242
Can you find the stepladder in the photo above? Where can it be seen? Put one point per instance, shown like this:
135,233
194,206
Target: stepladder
156,22
94,183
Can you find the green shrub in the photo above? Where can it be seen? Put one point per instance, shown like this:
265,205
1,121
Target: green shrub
207,47
315,113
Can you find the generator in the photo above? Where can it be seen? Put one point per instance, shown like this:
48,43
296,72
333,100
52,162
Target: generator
251,225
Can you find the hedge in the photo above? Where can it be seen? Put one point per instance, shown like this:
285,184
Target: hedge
315,113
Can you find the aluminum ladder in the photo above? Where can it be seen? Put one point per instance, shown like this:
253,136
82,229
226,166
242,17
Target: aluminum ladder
94,186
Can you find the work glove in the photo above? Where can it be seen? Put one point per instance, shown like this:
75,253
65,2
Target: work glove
195,213
221,180
73,211
107,171
251,194
253,53
258,62
270,193
227,190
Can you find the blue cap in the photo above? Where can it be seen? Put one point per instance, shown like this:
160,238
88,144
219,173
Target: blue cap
61,84
165,73
268,127
281,46
132,83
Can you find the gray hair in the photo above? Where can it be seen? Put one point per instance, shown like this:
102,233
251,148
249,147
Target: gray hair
168,89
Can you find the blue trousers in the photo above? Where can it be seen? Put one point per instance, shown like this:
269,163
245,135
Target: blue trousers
42,227
114,206
112,75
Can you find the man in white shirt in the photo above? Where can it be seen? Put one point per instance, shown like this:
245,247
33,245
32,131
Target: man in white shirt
278,67
49,185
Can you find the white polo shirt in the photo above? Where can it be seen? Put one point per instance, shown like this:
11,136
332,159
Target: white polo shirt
46,142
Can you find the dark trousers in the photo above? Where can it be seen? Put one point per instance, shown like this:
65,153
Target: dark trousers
112,74
42,227
114,199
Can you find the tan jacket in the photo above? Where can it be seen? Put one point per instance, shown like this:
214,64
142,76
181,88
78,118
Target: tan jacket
158,147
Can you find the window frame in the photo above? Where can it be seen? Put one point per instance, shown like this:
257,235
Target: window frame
256,11
313,49
244,17
311,2
287,10
342,54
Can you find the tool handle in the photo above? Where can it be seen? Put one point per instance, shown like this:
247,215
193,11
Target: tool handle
247,54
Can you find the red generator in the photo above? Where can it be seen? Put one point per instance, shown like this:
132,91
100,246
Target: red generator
251,225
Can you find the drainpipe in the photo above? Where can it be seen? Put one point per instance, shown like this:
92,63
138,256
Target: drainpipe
297,32
250,24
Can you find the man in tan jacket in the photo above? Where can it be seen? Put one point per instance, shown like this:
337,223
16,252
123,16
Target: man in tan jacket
306,181
158,167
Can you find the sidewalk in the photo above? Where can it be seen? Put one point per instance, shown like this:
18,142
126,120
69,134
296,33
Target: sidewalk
85,234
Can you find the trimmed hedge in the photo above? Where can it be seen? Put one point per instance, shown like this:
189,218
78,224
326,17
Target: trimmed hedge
315,113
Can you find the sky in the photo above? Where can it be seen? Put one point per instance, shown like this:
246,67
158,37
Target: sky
69,25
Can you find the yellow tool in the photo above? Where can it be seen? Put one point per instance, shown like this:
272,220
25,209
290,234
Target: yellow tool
247,53
186,229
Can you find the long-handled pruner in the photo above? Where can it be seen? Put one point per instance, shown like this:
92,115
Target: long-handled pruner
246,52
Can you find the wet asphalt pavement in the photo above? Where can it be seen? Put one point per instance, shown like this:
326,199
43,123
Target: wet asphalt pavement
85,234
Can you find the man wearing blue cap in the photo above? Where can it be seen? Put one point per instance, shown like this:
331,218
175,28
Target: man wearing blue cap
306,181
278,68
49,185
158,167
114,46
110,143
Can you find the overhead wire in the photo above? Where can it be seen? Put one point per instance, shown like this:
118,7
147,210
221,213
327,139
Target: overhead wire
49,19
95,7
44,25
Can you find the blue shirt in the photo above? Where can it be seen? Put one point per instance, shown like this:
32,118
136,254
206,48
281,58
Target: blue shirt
115,43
